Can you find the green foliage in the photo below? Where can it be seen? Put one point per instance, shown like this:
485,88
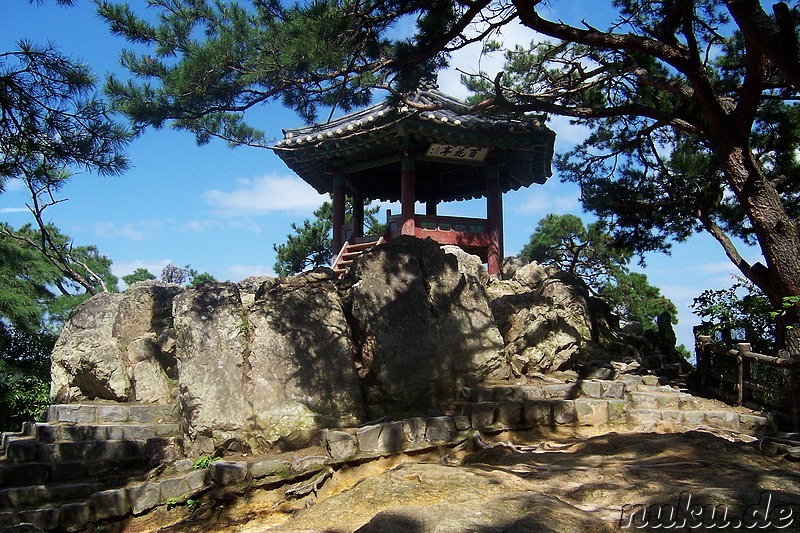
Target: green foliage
248,55
26,278
37,293
192,505
140,274
739,313
587,252
787,303
310,246
196,278
24,375
52,120
184,275
634,299
38,289
591,254
742,313
204,461
684,351
52,124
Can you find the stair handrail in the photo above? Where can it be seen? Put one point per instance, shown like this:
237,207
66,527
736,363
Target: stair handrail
382,239
342,251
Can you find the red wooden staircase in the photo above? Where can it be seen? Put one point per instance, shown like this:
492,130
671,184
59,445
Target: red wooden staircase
352,249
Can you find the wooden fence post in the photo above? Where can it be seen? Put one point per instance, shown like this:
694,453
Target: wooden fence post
743,372
701,351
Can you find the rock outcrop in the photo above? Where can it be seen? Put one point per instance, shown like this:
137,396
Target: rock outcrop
118,347
424,329
267,363
545,318
271,373
302,375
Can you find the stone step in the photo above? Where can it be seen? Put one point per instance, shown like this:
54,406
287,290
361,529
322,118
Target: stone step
11,436
558,415
29,450
590,388
113,413
32,496
662,400
73,506
562,413
38,473
49,432
646,419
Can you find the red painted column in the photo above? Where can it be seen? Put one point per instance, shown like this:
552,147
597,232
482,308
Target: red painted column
358,215
338,214
494,214
407,197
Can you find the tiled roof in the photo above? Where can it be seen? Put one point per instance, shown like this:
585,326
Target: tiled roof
381,135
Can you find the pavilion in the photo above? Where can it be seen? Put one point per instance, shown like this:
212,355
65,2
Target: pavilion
427,147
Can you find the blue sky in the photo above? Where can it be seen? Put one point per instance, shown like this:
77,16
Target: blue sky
221,209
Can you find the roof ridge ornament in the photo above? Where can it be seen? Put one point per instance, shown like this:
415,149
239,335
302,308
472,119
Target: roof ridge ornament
428,82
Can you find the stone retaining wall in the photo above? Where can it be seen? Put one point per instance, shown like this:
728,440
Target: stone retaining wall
633,403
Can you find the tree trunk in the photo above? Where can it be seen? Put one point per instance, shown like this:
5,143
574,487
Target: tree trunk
777,236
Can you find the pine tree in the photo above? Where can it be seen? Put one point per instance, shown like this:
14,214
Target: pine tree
590,253
690,105
311,245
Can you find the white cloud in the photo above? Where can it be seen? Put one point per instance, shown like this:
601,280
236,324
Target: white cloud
14,210
239,272
198,226
681,295
128,231
720,274
539,202
267,194
246,224
154,266
719,267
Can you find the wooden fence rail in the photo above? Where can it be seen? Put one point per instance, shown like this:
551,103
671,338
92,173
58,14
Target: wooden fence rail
711,379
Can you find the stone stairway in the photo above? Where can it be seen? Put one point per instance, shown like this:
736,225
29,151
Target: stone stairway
350,251
635,403
628,404
83,463
87,463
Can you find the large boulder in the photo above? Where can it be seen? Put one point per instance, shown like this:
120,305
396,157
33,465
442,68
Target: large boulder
267,374
211,347
550,322
302,361
117,347
422,327
544,316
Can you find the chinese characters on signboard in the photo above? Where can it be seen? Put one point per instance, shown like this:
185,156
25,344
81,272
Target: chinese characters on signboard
455,152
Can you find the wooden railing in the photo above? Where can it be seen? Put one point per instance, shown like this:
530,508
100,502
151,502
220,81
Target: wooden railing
471,234
742,381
